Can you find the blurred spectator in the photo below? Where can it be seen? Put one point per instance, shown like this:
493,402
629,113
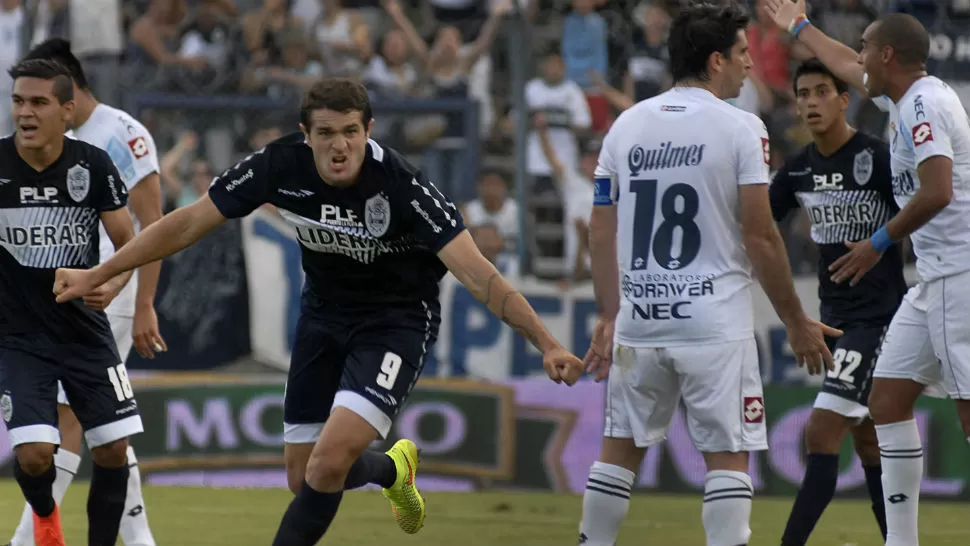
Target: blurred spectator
266,131
11,22
97,41
152,58
584,35
263,28
341,38
295,74
565,111
490,243
207,36
576,189
179,190
494,206
770,51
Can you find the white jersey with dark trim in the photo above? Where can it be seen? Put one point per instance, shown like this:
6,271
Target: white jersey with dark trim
673,164
371,245
931,121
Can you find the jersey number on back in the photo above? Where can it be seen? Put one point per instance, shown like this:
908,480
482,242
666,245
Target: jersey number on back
678,206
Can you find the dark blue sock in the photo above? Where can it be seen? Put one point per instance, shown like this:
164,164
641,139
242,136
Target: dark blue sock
308,517
874,483
106,504
818,488
38,490
371,467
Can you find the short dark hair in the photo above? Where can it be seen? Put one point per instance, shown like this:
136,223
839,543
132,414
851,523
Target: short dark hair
814,66
46,70
59,49
906,35
337,94
699,31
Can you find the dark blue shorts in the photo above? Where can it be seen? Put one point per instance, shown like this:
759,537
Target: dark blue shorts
94,379
845,389
368,365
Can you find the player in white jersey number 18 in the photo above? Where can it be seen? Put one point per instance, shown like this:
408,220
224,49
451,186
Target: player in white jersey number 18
130,308
682,223
928,341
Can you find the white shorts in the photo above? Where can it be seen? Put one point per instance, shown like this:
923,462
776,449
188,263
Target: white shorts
929,338
121,328
720,384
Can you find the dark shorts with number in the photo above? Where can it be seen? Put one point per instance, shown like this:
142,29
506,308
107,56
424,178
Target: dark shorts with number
845,389
93,377
367,364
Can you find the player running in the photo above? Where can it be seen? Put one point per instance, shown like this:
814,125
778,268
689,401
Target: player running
131,312
842,181
928,341
682,216
53,191
376,237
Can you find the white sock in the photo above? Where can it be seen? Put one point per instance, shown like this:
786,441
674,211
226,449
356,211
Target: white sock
727,508
66,464
134,522
605,503
902,470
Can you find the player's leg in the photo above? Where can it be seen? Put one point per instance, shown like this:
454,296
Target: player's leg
135,530
66,462
378,375
839,406
28,400
97,386
904,367
867,448
721,387
642,394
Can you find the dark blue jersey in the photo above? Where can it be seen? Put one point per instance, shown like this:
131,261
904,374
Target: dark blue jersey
368,246
847,197
50,219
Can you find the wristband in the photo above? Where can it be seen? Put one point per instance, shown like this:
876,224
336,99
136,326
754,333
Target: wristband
797,24
880,240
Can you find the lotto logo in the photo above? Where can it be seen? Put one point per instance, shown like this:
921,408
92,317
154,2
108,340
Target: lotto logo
766,151
138,147
922,133
754,409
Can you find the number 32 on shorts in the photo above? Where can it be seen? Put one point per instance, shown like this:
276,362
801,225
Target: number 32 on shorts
390,367
118,376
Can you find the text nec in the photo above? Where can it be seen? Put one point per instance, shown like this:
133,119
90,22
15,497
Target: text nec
333,213
38,195
661,311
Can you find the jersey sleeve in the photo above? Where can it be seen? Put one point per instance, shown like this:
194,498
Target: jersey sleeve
108,191
753,152
133,151
243,188
928,128
606,191
782,194
436,220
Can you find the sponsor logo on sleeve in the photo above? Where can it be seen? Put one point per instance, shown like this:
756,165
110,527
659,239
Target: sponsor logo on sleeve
922,133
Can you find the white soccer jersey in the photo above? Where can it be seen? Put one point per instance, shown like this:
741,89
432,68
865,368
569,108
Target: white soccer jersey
673,164
931,121
132,149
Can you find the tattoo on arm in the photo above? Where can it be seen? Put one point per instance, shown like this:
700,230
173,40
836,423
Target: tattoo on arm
501,309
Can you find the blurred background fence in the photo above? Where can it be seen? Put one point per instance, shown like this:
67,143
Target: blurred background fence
457,86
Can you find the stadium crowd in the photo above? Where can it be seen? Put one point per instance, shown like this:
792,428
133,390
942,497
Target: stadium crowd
591,59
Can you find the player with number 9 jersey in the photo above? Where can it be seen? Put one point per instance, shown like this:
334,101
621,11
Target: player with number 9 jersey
685,277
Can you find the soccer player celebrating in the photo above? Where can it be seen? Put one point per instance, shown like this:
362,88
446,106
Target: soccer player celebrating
842,180
928,341
376,237
130,311
680,227
54,190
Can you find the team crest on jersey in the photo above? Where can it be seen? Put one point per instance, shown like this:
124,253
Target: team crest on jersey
6,408
377,215
862,167
78,183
